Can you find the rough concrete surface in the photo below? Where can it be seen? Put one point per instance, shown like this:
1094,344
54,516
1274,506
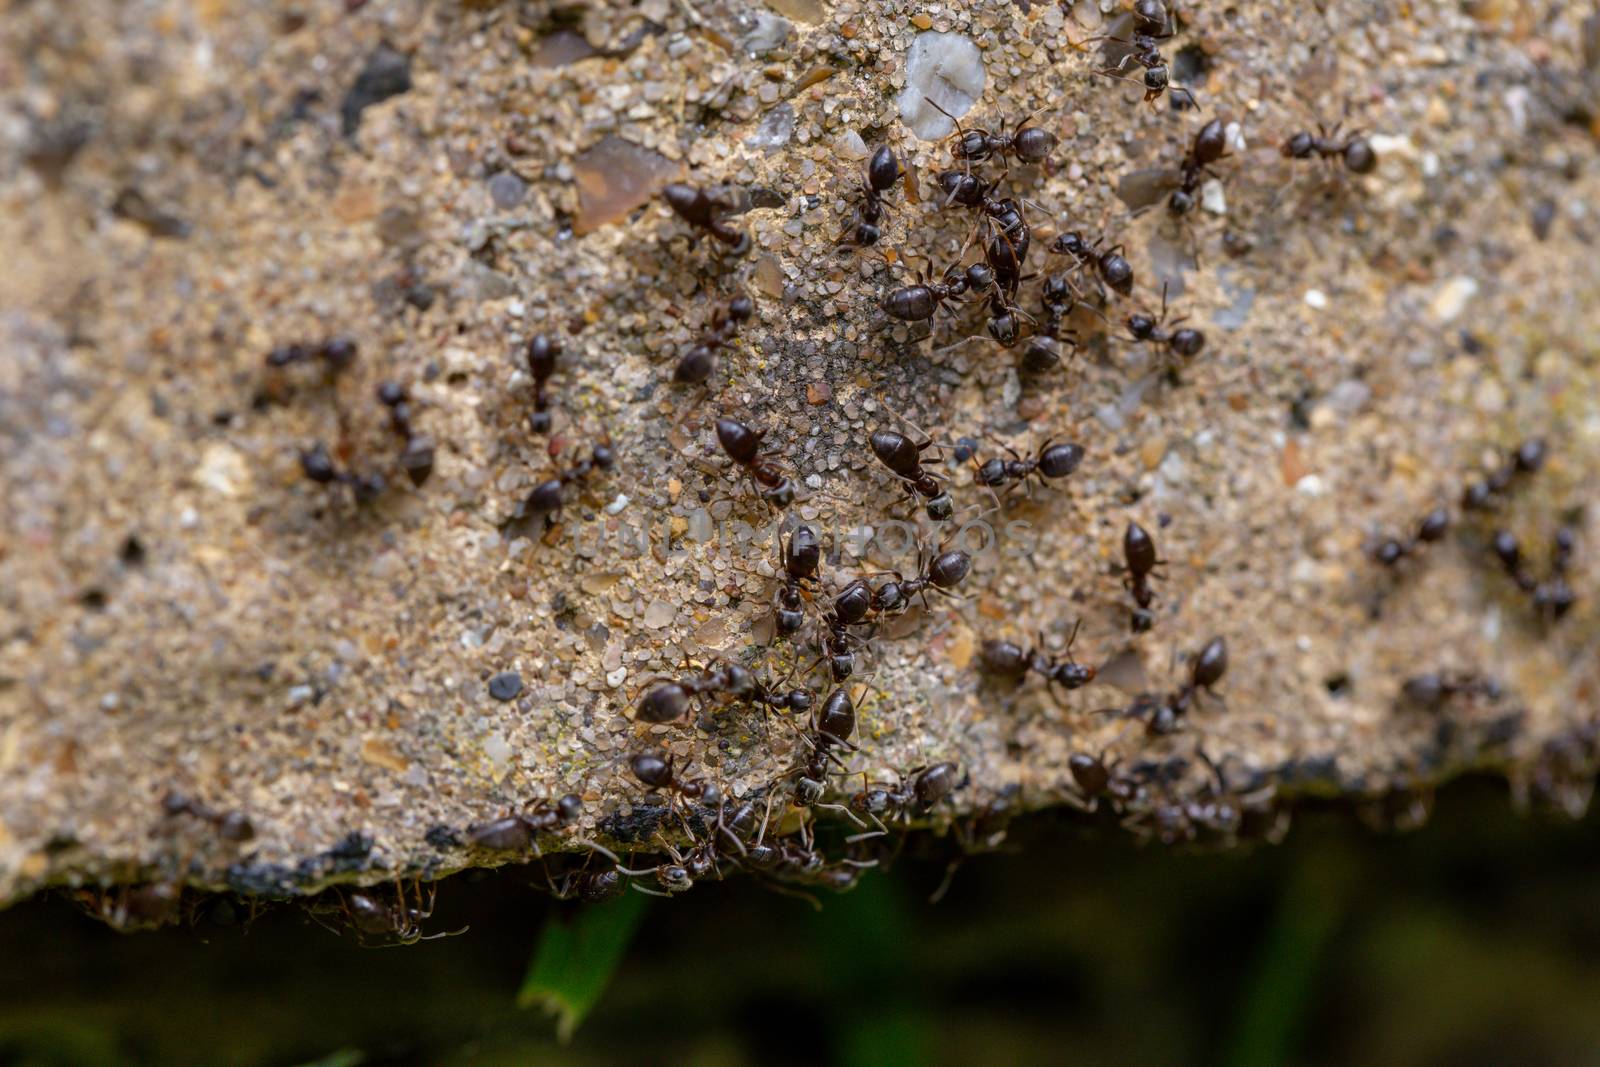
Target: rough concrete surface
187,186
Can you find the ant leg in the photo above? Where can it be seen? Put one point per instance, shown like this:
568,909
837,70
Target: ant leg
649,892
846,812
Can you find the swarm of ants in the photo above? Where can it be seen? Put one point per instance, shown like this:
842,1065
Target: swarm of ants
828,621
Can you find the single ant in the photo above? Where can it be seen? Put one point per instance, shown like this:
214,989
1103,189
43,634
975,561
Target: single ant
416,457
1552,597
1210,145
591,887
904,460
1430,691
1165,715
701,359
940,574
141,907
231,826
653,768
336,353
1114,269
1058,298
1029,144
1009,660
1525,459
520,832
1150,27
802,554
543,352
396,922
1433,528
1094,779
1053,461
851,606
921,301
743,446
1139,556
317,465
831,727
926,787
1355,151
548,497
882,172
705,212
669,701
1185,343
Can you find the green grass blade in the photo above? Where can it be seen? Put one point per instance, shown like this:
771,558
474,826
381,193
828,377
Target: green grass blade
576,958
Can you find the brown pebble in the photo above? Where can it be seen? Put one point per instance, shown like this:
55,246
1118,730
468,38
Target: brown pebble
819,392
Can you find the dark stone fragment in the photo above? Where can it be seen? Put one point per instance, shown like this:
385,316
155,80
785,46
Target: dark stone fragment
505,685
387,73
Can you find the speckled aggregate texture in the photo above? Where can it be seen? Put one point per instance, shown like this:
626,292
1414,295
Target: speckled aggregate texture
180,608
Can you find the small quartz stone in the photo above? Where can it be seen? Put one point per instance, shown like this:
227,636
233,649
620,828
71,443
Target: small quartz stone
946,68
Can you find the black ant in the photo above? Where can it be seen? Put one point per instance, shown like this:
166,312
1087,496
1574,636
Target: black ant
1058,298
1355,151
1114,269
1432,528
318,465
904,460
669,701
392,922
704,212
1029,144
416,457
1150,27
591,887
336,353
701,359
743,446
831,727
1094,779
926,787
1009,660
396,922
653,768
548,497
1165,715
1554,596
1185,343
231,826
883,170
543,352
851,606
1429,691
141,907
1210,145
1053,461
920,302
520,832
1524,460
1139,555
940,574
802,554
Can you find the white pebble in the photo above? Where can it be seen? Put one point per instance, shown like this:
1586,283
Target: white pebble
1212,198
1316,298
618,504
615,678
1452,298
946,68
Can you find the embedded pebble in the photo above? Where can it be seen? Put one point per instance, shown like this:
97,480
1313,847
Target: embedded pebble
505,685
946,68
507,190
1452,299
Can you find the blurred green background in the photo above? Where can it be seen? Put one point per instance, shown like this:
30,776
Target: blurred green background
1474,941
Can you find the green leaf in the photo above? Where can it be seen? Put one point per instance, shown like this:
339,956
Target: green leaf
576,958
